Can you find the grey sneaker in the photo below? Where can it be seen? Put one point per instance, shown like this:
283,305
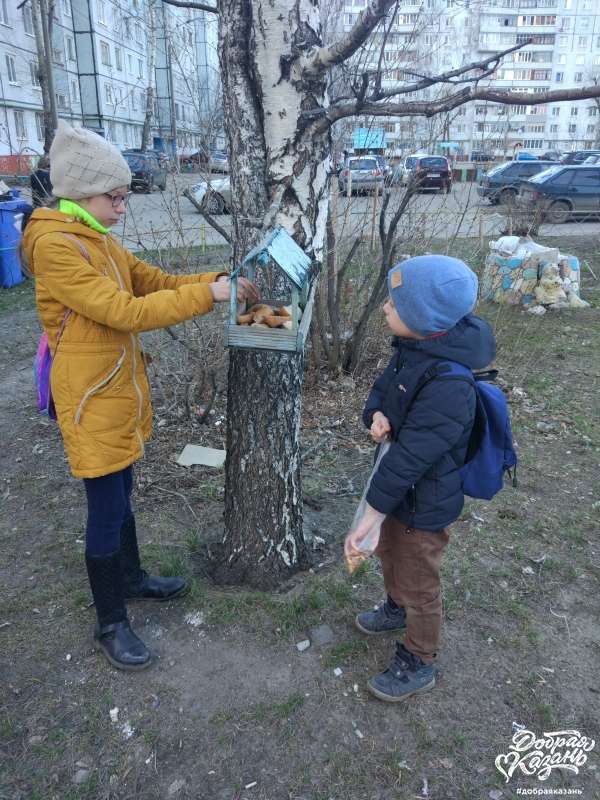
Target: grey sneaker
381,620
406,675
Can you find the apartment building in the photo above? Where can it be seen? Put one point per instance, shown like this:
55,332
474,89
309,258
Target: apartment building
439,35
106,56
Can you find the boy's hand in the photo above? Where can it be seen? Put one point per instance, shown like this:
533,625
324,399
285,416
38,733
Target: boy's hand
380,427
221,290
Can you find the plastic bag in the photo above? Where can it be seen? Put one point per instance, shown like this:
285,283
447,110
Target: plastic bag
356,552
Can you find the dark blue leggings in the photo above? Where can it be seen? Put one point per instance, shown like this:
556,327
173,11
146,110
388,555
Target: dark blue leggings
109,505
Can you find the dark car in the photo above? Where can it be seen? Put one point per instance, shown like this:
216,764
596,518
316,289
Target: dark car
146,171
433,172
480,156
561,192
501,184
578,156
551,155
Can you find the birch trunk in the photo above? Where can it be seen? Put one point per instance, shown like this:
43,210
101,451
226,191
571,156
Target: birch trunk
278,176
149,112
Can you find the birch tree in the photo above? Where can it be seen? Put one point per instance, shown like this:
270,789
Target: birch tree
278,113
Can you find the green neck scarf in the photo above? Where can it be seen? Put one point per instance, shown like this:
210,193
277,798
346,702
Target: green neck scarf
75,210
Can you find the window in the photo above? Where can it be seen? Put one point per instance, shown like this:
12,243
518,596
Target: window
105,54
101,12
108,94
556,111
133,101
582,41
596,61
565,24
61,100
563,41
138,32
39,126
553,128
140,72
130,63
574,111
562,59
592,111
587,178
578,77
562,179
568,5
70,48
35,78
4,12
27,20
572,128
66,4
10,69
580,60
560,76
20,128
127,21
74,91
591,128
118,59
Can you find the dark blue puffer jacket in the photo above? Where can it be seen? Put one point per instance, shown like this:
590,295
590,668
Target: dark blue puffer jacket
418,480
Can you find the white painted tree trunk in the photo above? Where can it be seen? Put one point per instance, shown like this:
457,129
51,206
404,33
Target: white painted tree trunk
278,176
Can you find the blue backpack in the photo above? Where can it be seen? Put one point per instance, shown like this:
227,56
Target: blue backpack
490,452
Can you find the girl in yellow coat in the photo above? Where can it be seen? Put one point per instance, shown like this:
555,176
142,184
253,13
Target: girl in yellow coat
93,298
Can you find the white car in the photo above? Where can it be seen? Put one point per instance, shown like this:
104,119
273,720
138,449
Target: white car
404,171
214,196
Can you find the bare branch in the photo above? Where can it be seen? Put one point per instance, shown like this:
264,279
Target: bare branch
322,58
421,108
211,221
192,4
485,67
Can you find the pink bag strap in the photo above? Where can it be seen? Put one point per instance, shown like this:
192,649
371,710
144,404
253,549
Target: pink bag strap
68,312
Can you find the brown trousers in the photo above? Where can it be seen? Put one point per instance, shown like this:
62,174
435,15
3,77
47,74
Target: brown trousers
411,560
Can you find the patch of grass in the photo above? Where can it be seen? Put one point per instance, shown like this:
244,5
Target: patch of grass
545,715
345,652
166,560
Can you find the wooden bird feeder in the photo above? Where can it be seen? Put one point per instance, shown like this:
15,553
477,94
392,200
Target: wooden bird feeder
277,251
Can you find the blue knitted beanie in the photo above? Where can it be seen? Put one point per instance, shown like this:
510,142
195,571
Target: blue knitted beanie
432,293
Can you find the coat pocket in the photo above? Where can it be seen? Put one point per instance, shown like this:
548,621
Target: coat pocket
100,384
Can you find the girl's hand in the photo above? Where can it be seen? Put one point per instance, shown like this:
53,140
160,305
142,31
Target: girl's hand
221,290
380,427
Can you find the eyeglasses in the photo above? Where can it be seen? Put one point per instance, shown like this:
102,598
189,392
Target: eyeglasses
117,199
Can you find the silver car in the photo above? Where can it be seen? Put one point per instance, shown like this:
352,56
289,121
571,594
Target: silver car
214,196
363,173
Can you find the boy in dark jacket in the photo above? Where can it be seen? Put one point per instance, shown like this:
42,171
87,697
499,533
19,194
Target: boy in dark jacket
417,489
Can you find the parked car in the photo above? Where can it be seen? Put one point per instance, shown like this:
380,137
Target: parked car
578,156
363,173
146,170
214,196
523,155
433,172
218,161
592,160
479,156
561,192
551,155
501,184
385,168
403,172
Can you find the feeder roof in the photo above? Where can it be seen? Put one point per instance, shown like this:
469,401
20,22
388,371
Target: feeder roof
279,246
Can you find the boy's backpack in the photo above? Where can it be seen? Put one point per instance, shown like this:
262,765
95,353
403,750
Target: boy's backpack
490,452
42,364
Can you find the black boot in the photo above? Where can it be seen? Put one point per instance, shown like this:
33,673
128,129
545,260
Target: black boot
113,634
138,584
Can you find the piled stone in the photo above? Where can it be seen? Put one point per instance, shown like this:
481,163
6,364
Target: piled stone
520,272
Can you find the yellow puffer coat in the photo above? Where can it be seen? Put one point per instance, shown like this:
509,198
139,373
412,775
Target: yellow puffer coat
98,379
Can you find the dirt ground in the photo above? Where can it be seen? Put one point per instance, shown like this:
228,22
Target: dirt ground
232,710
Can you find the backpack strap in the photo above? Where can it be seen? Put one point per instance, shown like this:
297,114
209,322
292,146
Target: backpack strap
68,312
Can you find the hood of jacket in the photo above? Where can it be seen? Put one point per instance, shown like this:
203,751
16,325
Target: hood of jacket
470,342
48,220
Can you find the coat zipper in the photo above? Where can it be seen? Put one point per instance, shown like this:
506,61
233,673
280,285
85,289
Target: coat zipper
133,346
99,386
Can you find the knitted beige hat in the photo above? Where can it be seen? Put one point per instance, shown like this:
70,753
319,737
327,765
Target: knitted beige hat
83,164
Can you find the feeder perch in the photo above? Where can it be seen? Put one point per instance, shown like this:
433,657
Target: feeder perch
277,251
